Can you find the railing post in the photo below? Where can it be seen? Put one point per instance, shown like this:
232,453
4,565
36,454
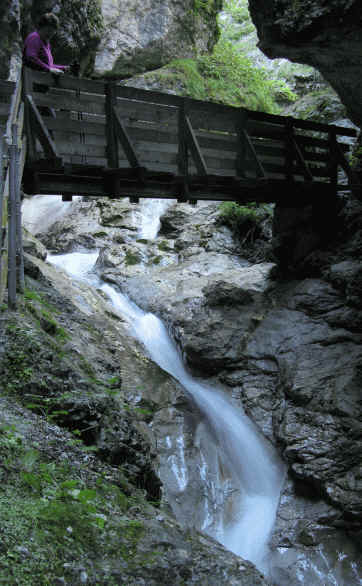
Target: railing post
27,88
12,225
3,218
112,143
19,231
182,157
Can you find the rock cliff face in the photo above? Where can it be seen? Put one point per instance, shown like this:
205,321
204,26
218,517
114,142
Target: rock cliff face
288,350
140,36
111,37
326,35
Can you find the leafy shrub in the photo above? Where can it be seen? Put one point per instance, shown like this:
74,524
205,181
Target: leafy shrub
245,221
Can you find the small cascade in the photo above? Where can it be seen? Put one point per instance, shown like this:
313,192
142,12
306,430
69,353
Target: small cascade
41,211
151,211
255,470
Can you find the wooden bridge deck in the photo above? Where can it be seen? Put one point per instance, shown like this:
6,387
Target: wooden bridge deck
101,139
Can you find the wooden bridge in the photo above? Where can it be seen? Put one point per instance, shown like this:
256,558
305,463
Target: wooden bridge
102,139
68,136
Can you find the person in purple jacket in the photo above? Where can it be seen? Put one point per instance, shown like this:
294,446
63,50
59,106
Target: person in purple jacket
37,52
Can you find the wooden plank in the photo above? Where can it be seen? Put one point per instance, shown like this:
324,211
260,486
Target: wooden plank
133,110
76,148
64,184
76,126
312,142
223,122
302,124
72,188
66,81
85,103
79,138
85,160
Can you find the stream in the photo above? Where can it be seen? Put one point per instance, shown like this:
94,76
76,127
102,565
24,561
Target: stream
255,471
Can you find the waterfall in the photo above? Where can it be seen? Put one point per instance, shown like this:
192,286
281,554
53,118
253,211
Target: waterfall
151,211
41,211
249,458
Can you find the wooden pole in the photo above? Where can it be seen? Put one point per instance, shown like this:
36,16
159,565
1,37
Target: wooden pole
3,219
13,182
19,231
27,88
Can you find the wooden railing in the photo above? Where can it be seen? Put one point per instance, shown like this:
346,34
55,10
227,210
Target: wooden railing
126,141
12,159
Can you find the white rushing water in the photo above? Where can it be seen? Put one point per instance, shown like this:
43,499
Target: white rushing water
249,458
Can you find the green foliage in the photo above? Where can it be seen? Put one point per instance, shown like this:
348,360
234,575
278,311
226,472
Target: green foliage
244,220
228,75
206,5
237,23
50,518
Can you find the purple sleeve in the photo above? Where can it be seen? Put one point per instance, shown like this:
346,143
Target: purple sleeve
32,49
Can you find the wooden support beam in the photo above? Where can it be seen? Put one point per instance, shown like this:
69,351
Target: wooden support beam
259,169
308,175
125,141
194,147
41,130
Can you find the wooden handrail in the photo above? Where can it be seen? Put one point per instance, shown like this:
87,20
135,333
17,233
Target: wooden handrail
121,128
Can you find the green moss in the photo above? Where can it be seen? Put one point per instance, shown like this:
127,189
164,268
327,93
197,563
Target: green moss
164,246
100,234
132,258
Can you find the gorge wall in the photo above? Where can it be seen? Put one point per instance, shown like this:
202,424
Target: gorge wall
119,38
326,35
